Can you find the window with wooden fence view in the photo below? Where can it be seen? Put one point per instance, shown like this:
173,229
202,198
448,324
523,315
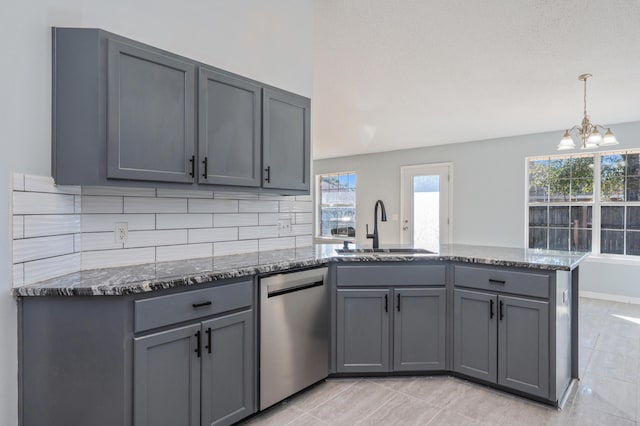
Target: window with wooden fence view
585,202
337,205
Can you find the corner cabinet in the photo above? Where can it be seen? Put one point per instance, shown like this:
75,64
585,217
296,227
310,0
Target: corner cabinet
128,114
162,359
389,318
286,143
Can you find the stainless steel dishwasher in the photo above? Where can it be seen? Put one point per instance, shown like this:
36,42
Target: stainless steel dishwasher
294,333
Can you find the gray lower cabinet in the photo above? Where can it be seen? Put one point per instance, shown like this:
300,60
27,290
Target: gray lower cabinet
229,129
367,340
286,140
419,329
363,330
502,339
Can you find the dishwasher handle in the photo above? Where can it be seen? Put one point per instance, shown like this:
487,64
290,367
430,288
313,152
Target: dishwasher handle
293,287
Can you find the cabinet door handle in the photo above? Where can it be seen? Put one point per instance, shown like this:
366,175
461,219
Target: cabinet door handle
501,310
193,166
201,304
492,281
491,309
208,346
205,162
198,344
268,172
398,302
386,303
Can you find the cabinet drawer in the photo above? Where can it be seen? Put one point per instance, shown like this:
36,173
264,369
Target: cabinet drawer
174,308
501,280
385,275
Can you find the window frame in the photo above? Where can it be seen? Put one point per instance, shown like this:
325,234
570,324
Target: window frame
597,204
318,208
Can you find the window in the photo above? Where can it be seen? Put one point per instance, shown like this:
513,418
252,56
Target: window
337,205
585,202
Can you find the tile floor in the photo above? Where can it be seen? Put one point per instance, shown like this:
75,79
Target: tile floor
608,394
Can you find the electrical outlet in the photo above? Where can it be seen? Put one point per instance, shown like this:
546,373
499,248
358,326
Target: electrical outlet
284,227
122,232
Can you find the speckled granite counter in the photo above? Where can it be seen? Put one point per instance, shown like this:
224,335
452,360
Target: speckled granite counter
157,276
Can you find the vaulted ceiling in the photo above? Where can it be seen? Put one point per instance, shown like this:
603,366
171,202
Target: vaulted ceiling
409,73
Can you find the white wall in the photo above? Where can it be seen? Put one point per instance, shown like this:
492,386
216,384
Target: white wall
488,193
268,41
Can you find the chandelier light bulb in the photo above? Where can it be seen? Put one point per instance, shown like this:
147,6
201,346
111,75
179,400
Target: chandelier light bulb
566,142
595,137
609,139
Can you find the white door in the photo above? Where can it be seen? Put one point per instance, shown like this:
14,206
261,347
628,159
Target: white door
425,210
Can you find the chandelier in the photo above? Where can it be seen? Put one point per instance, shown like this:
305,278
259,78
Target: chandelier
587,132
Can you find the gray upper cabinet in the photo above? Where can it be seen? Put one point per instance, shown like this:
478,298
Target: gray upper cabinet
523,345
128,114
475,334
150,114
227,366
419,336
167,378
363,330
229,127
286,140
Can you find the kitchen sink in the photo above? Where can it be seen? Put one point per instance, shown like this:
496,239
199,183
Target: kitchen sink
397,251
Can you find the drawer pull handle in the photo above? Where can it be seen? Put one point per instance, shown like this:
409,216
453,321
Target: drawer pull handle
491,309
198,350
208,345
492,281
386,303
201,304
398,302
501,310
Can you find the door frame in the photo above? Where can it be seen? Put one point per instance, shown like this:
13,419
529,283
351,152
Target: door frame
403,172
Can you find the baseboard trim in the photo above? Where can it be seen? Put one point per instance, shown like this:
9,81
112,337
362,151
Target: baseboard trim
610,297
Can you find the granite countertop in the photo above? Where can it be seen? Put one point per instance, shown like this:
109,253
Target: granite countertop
158,276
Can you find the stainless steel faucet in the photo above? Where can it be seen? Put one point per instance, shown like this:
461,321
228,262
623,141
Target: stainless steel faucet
376,242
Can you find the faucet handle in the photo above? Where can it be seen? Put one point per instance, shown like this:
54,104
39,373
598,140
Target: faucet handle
367,231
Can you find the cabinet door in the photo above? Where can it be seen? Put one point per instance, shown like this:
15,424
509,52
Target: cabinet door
150,115
475,332
166,383
227,369
363,330
228,130
419,331
285,140
523,345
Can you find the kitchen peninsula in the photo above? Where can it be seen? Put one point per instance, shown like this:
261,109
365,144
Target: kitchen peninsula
505,317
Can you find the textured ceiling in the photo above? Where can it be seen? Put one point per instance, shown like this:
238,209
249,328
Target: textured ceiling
408,73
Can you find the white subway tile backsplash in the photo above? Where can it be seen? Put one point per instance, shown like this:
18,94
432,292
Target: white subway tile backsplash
77,204
51,267
40,248
42,203
208,235
113,258
275,197
183,220
77,243
154,205
101,204
45,184
156,238
222,195
107,222
255,232
273,218
18,275
213,206
235,247
289,206
44,225
301,229
303,198
304,218
222,220
182,193
100,241
186,251
258,206
118,191
18,227
304,241
18,181
276,244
